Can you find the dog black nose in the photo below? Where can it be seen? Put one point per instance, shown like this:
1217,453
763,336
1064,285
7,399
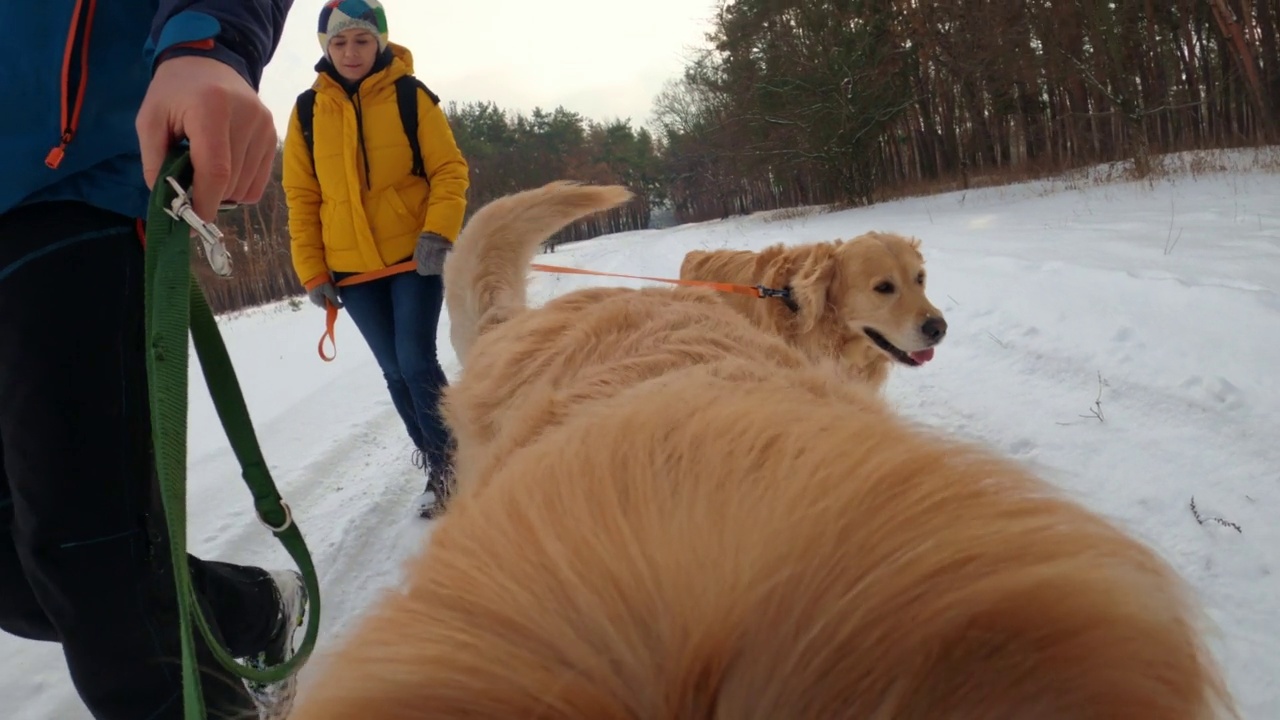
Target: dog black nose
934,328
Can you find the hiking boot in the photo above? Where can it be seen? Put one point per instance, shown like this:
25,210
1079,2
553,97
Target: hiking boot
432,502
275,700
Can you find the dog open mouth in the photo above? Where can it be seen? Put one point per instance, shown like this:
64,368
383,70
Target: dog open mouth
916,358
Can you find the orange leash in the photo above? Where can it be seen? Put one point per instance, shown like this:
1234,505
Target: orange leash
753,291
331,312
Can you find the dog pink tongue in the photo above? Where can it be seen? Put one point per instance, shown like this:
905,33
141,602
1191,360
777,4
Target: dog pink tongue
922,356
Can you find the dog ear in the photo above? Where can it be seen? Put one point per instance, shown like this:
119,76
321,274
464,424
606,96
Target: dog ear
810,282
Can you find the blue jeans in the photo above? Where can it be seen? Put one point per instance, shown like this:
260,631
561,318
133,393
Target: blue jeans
398,317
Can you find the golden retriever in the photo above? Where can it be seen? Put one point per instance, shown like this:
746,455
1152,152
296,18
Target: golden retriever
862,301
667,513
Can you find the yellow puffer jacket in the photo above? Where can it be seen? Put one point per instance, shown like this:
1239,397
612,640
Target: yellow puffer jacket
359,217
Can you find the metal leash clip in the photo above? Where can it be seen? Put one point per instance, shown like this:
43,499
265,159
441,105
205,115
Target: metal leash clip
210,235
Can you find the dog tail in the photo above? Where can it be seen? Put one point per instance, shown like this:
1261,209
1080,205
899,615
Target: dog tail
485,274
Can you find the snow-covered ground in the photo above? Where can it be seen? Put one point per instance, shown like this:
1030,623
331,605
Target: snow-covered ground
1120,337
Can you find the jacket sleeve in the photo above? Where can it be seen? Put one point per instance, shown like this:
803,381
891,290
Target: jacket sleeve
447,171
241,33
302,196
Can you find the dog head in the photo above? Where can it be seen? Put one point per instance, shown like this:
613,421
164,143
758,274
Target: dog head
873,286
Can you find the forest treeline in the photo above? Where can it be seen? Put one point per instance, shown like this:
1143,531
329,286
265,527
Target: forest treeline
798,102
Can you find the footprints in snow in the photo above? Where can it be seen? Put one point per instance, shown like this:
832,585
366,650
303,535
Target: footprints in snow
1127,343
1023,447
1120,351
1219,283
1218,391
228,525
967,424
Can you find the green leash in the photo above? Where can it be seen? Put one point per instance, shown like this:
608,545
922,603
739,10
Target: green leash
175,305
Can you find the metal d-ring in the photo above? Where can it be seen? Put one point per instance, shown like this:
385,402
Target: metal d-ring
288,519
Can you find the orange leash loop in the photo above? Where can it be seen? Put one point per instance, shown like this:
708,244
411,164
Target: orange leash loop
330,319
331,311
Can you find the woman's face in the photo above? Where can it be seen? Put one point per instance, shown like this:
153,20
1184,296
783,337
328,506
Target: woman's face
353,52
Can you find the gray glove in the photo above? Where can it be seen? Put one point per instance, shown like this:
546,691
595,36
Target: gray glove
430,253
325,291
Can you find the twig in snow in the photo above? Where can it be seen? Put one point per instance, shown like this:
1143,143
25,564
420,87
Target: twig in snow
1202,520
998,341
1169,241
1096,410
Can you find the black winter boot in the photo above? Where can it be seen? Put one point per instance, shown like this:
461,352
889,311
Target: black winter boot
440,485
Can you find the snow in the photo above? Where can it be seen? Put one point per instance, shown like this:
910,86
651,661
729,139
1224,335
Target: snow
1121,337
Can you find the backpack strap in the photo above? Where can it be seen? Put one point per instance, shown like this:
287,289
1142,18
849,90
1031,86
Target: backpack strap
407,87
306,119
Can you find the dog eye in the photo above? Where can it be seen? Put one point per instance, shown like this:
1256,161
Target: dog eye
920,279
885,288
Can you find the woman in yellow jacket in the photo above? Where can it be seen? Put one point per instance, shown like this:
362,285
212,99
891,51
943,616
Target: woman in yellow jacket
358,207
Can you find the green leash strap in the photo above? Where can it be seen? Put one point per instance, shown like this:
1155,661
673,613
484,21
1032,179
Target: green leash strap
175,305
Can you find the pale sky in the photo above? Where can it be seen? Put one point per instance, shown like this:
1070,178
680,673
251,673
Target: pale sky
605,59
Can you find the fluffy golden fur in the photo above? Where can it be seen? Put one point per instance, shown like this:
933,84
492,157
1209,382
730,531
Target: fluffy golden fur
666,512
861,301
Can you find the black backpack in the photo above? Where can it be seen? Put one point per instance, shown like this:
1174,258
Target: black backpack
407,87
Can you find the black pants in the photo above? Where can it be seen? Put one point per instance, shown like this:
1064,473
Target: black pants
84,555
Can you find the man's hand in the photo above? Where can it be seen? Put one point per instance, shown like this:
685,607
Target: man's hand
231,133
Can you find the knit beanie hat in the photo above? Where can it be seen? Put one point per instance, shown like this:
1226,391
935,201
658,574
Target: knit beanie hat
339,15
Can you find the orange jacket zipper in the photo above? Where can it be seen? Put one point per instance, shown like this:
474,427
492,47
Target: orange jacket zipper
75,76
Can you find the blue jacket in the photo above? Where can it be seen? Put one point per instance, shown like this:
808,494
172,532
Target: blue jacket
76,71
